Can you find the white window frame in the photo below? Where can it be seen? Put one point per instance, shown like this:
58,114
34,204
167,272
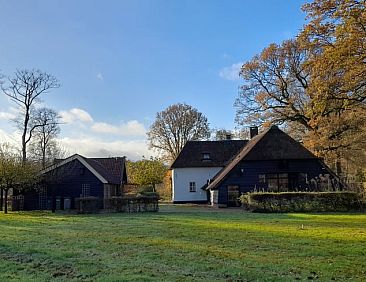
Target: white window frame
192,187
206,156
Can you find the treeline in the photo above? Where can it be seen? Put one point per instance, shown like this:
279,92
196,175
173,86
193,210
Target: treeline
315,85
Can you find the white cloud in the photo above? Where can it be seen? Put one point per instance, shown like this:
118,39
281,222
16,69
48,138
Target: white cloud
92,147
231,72
100,76
75,115
6,115
131,128
12,138
91,139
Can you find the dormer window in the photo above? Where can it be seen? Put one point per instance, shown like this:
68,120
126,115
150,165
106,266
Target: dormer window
206,157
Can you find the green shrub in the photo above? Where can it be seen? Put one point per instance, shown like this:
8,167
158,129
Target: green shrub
303,202
150,194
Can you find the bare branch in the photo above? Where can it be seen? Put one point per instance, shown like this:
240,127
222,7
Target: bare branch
25,89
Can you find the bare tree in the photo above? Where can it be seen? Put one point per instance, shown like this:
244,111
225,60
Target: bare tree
174,126
275,87
222,134
46,128
25,89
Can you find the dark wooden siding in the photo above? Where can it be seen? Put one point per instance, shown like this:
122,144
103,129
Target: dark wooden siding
31,201
246,174
67,182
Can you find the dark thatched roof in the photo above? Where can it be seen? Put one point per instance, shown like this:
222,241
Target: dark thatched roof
272,144
219,152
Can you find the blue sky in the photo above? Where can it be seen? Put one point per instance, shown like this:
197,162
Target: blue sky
120,62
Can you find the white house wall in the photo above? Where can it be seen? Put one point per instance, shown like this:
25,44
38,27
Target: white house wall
181,177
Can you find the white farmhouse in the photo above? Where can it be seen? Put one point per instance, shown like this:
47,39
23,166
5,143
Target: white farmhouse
197,164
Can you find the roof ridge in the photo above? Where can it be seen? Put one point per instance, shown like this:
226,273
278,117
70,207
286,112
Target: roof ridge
219,141
220,152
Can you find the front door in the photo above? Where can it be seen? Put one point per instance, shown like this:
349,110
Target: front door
233,194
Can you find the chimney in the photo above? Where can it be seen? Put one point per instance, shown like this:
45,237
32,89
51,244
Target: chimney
253,131
228,136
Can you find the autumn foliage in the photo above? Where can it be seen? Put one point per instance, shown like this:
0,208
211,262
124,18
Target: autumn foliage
315,83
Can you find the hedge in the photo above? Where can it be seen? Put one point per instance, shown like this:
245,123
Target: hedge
303,202
135,203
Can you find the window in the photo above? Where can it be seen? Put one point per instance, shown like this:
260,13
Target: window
282,182
85,190
192,186
277,182
206,157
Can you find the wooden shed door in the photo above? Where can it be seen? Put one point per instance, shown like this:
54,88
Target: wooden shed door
233,194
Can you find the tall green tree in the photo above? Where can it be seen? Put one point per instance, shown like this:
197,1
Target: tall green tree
146,172
14,173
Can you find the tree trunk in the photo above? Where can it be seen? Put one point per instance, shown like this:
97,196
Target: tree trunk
43,159
6,201
24,149
1,199
24,135
44,151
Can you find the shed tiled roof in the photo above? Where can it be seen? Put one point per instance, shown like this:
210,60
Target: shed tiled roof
111,169
220,152
108,170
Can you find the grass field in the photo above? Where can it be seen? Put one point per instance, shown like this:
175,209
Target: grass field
183,244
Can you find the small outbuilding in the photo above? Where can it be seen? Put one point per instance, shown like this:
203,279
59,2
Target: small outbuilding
75,177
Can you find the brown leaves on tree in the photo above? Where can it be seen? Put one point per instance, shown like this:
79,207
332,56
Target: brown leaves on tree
315,84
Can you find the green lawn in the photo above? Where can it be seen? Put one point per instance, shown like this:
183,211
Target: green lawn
183,244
